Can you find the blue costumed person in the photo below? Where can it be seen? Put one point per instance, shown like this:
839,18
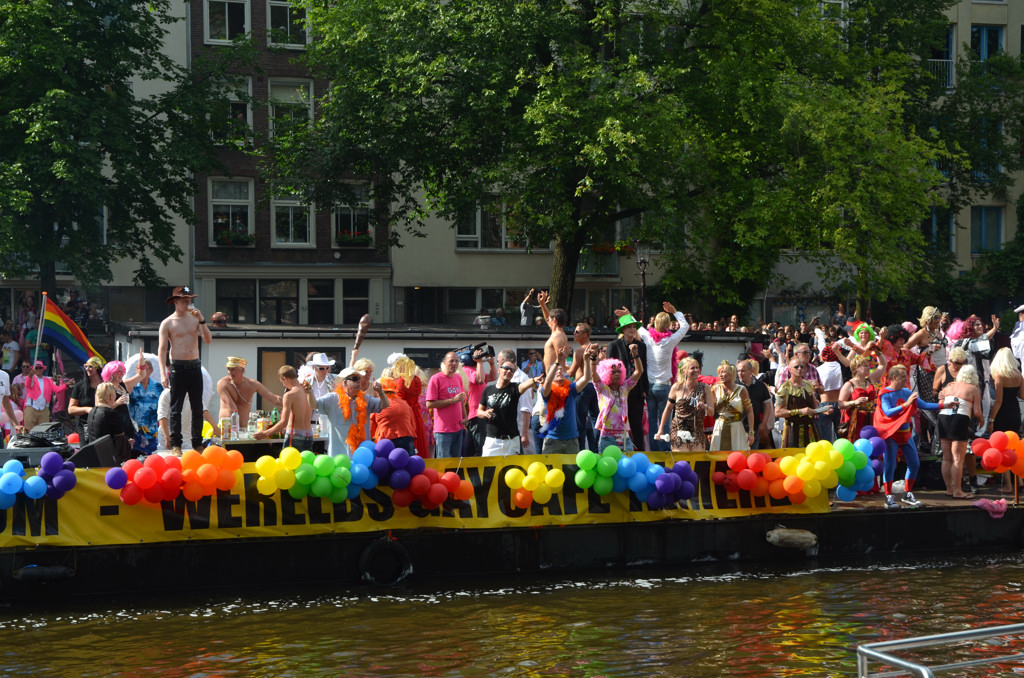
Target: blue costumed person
894,421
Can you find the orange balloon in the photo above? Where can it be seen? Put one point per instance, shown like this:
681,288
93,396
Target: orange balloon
215,454
209,490
777,488
793,484
225,479
207,474
191,460
189,476
797,498
522,498
1012,440
1018,468
233,460
193,491
761,488
772,471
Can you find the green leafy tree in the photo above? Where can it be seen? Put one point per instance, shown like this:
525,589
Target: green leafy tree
726,131
75,139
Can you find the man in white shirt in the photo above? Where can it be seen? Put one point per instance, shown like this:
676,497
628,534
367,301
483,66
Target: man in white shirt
5,402
1017,336
11,351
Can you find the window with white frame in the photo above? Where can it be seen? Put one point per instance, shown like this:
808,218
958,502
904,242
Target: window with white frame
231,212
834,11
986,41
239,115
485,227
291,104
287,26
225,20
986,229
292,221
352,222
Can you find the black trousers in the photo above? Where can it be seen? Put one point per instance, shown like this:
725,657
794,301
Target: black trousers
186,378
635,403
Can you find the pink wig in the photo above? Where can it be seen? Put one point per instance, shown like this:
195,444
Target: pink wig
956,329
604,369
110,368
910,327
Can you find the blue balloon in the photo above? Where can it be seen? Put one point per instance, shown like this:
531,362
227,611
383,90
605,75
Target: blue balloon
371,481
7,500
363,455
619,484
638,482
416,465
653,471
353,490
368,444
866,475
10,482
14,466
359,473
844,493
35,487
627,468
641,462
863,445
643,494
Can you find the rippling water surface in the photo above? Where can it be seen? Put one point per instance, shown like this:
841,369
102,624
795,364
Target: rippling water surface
700,623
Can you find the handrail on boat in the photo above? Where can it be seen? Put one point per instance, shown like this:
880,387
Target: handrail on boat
879,651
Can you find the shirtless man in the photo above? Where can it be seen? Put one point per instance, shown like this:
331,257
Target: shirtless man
296,412
179,346
556,320
237,391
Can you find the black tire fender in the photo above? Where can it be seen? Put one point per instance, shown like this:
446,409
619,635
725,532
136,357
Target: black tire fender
385,562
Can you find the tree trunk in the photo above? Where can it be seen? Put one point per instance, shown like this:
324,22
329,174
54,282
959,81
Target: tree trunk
563,270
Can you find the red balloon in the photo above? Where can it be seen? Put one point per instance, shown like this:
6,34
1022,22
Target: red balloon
730,483
451,481
432,475
737,461
979,445
154,494
797,498
761,488
428,505
998,440
419,485
464,491
522,498
171,477
746,479
157,463
131,494
402,498
757,461
173,462
1009,458
718,477
131,466
991,458
437,493
145,478
73,438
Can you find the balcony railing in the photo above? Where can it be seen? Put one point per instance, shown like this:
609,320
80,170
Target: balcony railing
943,71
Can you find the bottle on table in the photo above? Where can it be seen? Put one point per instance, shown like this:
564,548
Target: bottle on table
253,425
234,425
225,428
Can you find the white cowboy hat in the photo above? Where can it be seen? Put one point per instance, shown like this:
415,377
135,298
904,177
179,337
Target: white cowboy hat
321,360
348,372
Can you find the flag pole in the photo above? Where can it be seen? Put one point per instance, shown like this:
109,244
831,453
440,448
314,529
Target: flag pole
39,330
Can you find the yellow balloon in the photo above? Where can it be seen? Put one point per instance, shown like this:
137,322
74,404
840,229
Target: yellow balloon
266,466
290,459
538,469
835,459
266,485
812,488
821,470
811,447
514,478
554,479
805,471
284,478
788,465
542,494
207,430
831,481
531,483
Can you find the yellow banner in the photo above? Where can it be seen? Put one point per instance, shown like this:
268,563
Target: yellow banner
92,514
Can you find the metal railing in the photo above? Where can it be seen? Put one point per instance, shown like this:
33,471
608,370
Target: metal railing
879,652
943,71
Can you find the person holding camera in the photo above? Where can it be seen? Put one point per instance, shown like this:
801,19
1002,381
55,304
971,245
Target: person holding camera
472,364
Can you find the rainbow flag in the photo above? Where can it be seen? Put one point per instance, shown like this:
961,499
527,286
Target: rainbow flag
62,332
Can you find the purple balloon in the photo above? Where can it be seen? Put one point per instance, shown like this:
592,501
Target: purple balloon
116,478
416,465
383,447
686,490
877,447
663,483
69,466
682,468
656,500
65,481
869,432
399,479
51,462
398,457
53,493
380,467
877,465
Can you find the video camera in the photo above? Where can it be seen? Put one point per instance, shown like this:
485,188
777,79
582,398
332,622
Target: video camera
468,354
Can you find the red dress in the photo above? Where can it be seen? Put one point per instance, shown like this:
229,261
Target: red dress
861,415
410,393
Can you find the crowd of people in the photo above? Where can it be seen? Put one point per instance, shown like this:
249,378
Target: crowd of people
935,384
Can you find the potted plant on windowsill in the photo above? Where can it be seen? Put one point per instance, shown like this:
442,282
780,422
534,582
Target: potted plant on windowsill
230,238
357,239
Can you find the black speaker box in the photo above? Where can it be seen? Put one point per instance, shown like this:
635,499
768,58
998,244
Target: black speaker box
28,456
100,452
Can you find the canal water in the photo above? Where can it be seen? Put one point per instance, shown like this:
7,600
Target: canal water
747,621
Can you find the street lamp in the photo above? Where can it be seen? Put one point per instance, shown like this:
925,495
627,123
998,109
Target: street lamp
643,259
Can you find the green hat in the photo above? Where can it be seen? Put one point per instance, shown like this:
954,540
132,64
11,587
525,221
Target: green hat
626,321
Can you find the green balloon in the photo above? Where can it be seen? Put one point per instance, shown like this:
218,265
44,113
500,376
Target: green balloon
298,492
342,461
612,451
585,478
339,495
603,485
843,446
607,466
586,460
323,465
846,473
321,487
307,456
860,460
340,477
305,475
